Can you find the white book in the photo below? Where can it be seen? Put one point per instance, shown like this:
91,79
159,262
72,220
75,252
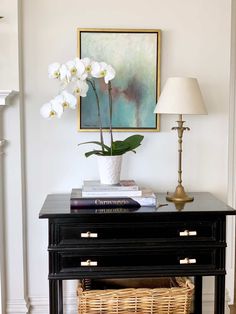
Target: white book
112,193
148,198
123,185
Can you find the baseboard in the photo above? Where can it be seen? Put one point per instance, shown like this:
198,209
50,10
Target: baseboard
18,306
39,305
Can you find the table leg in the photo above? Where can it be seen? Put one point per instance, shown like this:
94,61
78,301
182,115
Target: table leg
219,294
198,295
55,296
60,296
52,298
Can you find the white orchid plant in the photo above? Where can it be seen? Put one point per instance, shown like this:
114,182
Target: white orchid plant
75,77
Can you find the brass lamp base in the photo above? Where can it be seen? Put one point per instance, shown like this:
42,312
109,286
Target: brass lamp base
179,195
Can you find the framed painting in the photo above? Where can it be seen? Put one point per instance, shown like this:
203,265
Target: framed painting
135,56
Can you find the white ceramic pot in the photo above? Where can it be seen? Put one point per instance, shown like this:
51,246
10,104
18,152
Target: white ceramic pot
109,169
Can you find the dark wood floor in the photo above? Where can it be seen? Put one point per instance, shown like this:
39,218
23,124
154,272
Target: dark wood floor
233,309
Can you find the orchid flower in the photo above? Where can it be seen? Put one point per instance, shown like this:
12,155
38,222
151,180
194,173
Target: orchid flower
88,63
54,70
81,88
58,71
103,70
64,73
51,110
65,100
69,100
77,69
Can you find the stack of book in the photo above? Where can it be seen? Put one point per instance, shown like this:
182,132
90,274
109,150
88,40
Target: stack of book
123,195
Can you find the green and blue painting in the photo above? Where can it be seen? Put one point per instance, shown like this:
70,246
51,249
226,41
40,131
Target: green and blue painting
134,56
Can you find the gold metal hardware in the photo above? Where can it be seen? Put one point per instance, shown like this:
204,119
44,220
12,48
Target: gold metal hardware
89,263
187,260
187,233
88,235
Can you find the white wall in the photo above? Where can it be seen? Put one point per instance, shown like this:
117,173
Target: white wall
195,42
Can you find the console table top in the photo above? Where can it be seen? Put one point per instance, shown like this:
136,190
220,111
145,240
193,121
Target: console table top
58,206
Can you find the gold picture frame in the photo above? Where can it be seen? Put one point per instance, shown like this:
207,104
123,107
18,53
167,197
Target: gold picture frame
135,55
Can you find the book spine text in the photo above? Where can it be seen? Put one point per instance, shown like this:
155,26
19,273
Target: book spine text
80,203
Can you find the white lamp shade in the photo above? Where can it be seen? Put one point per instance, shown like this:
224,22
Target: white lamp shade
181,95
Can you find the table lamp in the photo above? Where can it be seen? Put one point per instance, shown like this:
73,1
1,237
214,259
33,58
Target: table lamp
180,95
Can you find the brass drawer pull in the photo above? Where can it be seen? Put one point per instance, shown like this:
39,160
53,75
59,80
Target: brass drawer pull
89,263
88,235
187,260
187,233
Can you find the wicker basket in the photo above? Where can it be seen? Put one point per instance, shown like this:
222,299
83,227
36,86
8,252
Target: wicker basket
174,298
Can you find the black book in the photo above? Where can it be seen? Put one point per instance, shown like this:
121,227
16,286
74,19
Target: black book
79,202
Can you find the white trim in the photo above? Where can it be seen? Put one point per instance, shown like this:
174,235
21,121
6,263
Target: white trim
2,143
15,207
39,305
230,252
4,94
18,306
2,242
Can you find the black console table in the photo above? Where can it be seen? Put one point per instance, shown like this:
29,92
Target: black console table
187,240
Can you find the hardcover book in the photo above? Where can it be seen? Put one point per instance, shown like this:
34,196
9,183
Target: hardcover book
95,185
148,198
112,193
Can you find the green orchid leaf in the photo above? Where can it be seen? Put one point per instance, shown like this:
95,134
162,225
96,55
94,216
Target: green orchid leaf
134,141
97,143
129,144
118,147
94,152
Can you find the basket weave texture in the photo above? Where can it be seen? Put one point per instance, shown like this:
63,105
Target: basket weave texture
167,300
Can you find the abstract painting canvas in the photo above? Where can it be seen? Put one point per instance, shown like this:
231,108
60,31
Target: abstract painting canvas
135,56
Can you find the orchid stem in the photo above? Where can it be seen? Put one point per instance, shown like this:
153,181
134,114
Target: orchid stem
110,112
92,83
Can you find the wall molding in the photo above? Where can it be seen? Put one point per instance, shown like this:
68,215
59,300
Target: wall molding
18,306
231,224
16,287
2,238
2,143
39,305
4,94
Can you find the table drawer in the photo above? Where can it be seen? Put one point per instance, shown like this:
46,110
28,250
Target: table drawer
171,259
74,233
